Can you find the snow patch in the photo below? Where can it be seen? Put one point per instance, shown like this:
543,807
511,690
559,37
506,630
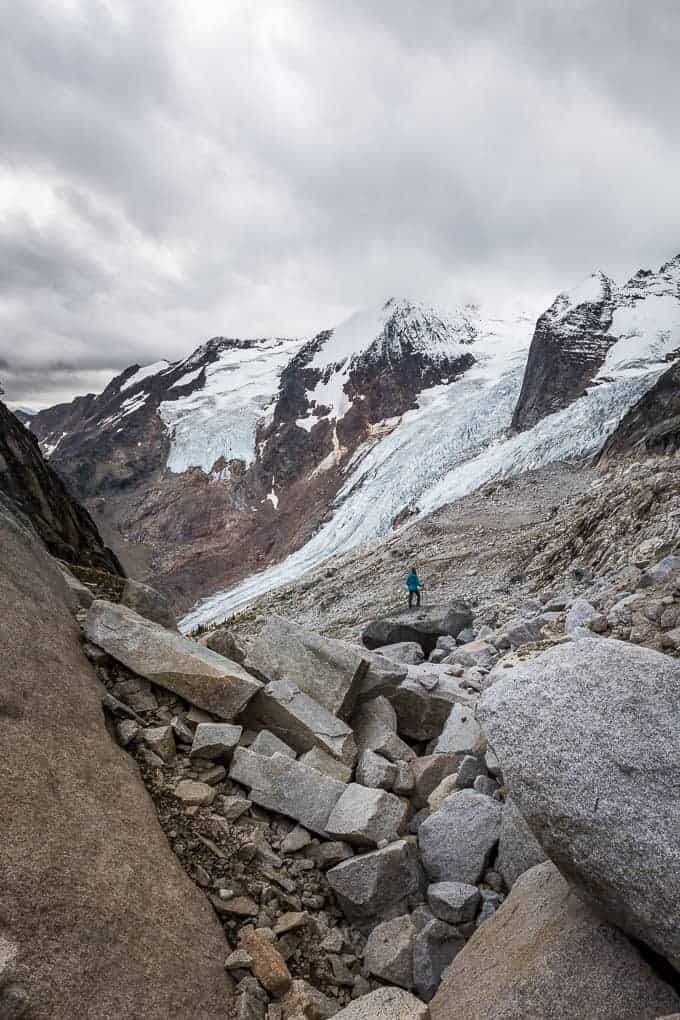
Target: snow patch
144,373
220,419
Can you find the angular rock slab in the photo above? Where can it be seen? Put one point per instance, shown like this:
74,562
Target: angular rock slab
425,699
589,741
300,721
148,603
381,885
408,652
365,817
389,951
544,955
518,848
456,841
280,783
375,729
176,663
385,1004
423,626
328,671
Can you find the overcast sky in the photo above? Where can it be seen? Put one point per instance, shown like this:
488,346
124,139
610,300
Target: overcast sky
175,169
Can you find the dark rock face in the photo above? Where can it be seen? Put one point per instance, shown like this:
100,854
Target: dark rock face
575,335
423,626
569,346
653,424
32,487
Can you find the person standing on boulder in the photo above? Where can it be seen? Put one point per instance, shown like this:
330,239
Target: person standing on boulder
413,584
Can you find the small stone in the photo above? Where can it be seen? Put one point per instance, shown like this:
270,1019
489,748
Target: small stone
454,902
213,776
389,951
231,808
435,947
485,785
303,1002
404,783
268,965
237,906
291,921
296,840
127,731
151,758
491,901
385,1004
160,740
375,771
215,741
239,960
468,770
268,744
195,794
181,730
332,853
446,789
318,759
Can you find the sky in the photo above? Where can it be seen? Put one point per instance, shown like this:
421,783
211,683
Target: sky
178,170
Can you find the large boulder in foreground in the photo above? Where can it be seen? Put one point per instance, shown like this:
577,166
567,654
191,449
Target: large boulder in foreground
588,737
169,660
545,955
105,921
421,625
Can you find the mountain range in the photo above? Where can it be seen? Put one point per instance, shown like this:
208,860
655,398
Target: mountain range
251,461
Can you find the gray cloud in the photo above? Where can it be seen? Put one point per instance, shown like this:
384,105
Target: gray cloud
173,171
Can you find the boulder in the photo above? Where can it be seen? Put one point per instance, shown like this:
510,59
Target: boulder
224,642
588,737
304,1002
149,603
269,744
375,729
462,733
282,784
456,841
104,919
518,848
435,946
660,572
545,954
328,671
581,612
79,595
364,817
300,721
423,626
408,652
474,653
267,965
423,701
176,663
375,771
380,885
428,773
215,741
454,902
323,762
385,1004
160,740
389,951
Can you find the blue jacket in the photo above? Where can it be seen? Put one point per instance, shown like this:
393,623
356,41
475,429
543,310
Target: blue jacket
413,581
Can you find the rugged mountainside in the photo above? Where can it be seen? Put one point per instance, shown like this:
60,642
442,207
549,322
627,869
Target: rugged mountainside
227,461
242,467
29,484
595,330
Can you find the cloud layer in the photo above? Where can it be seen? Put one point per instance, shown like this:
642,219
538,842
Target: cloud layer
174,171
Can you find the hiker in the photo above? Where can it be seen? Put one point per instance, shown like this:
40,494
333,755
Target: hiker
413,584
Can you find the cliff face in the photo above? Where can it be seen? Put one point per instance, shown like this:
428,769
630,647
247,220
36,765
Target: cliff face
652,426
595,332
30,485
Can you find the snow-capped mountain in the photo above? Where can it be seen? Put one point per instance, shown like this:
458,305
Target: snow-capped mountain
250,462
597,332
